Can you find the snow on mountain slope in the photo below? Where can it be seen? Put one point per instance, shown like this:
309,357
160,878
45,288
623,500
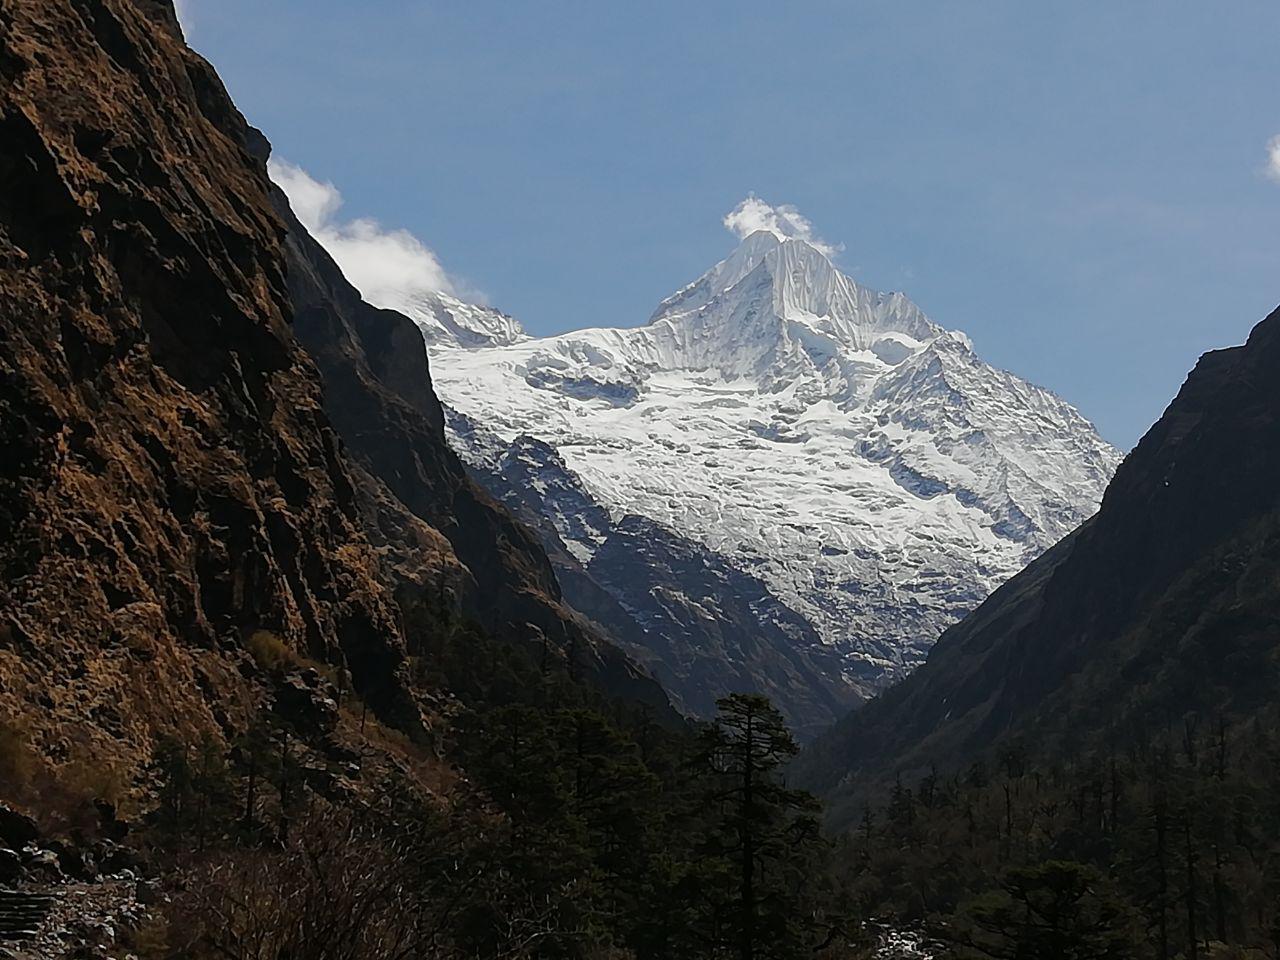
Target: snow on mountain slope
702,626
447,321
830,441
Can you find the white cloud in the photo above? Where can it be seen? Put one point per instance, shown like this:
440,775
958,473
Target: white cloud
783,221
389,267
1273,158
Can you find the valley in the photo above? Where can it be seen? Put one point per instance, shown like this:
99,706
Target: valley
352,621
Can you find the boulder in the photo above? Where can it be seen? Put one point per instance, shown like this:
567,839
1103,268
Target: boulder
309,710
10,866
113,859
74,860
16,829
110,824
44,865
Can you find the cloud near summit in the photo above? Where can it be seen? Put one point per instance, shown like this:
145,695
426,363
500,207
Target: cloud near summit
388,267
1273,158
783,221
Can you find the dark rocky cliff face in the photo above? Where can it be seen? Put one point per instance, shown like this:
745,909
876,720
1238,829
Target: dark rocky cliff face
1165,604
714,630
171,480
703,628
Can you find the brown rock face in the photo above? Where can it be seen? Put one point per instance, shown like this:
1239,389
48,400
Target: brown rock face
169,481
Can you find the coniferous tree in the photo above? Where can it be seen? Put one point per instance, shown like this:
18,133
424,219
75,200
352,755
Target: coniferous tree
177,782
1057,911
763,832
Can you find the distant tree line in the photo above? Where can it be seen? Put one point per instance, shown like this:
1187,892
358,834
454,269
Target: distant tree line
580,828
1167,846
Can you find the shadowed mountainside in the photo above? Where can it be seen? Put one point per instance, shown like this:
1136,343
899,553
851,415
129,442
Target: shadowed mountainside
378,395
1164,605
704,628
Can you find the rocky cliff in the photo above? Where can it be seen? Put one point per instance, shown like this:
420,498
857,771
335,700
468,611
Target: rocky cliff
379,396
172,482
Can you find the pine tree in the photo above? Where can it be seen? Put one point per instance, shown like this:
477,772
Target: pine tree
211,784
1056,911
765,833
253,749
177,789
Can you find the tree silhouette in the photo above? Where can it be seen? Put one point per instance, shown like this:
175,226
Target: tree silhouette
1056,911
764,831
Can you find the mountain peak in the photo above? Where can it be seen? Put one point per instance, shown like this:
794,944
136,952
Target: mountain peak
859,461
784,222
775,285
768,238
446,321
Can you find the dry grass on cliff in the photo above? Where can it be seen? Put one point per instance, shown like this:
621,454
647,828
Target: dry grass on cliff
269,651
18,762
59,795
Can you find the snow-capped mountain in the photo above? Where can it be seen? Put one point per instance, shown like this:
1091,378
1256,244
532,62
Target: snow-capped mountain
446,321
830,442
702,626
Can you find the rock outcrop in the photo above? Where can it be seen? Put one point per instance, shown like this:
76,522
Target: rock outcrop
171,482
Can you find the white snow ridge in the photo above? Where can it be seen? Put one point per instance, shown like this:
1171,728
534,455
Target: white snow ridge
831,441
446,321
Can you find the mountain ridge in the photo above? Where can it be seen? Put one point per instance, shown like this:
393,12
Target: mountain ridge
832,442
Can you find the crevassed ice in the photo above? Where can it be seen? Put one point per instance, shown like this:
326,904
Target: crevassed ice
831,440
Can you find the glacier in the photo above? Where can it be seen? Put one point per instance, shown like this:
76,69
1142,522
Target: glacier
830,442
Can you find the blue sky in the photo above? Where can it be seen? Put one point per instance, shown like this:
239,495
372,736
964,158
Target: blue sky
1082,187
